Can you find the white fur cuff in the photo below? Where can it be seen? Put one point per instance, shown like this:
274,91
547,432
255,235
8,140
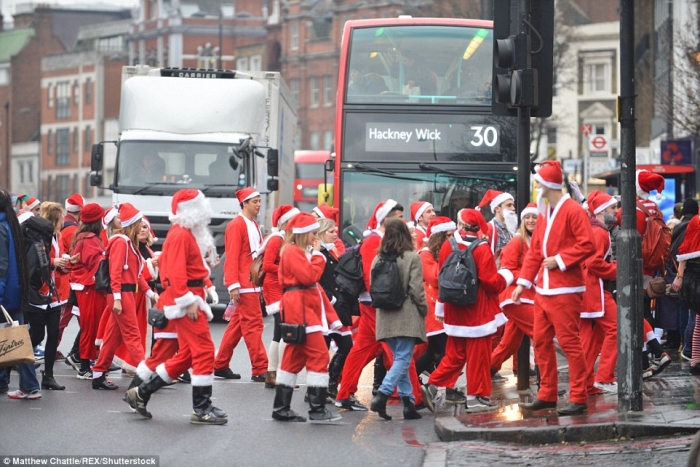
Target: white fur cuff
202,380
316,380
439,309
273,308
507,275
286,378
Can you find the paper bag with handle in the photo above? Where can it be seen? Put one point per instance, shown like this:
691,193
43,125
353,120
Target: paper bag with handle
15,344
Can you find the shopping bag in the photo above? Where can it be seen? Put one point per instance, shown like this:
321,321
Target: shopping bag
15,344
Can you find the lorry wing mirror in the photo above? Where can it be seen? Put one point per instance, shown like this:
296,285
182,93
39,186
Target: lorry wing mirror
273,162
95,180
233,162
96,158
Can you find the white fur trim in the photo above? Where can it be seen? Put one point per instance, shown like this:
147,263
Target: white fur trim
560,262
237,285
150,294
509,301
318,253
250,196
475,331
592,314
98,342
24,216
74,286
553,186
560,290
527,211
384,211
144,373
498,200
444,227
72,207
439,309
335,325
286,378
180,308
524,282
151,269
203,380
421,210
507,275
307,229
117,295
160,370
318,212
133,220
288,215
316,380
611,202
687,256
165,335
187,203
273,308
317,328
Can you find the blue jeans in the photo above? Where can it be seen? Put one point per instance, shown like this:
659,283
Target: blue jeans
27,372
397,376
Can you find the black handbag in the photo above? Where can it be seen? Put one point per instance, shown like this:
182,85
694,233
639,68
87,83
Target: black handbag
102,280
294,333
156,318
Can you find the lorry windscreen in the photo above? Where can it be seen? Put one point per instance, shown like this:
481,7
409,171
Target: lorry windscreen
167,166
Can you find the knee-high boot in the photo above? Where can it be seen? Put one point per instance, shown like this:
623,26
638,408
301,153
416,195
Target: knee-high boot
203,413
138,397
281,409
335,368
379,374
318,412
136,381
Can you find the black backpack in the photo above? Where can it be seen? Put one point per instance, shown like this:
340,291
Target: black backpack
458,280
38,234
349,279
386,287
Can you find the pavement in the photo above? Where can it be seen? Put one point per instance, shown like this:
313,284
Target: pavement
671,406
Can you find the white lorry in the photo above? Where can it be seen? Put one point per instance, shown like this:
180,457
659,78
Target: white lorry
217,131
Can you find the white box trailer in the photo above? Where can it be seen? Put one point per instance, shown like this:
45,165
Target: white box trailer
217,131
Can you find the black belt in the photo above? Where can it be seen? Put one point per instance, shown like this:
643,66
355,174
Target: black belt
129,287
298,287
366,303
192,283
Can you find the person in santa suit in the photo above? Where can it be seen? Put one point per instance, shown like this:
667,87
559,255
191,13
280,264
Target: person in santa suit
599,313
560,244
29,204
469,328
88,248
272,290
421,214
520,317
304,302
73,205
125,266
687,282
505,220
183,273
323,211
242,238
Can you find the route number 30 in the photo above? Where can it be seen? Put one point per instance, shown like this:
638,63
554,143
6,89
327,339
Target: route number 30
484,136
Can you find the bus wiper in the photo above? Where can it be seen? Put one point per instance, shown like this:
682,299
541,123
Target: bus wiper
437,169
374,169
147,186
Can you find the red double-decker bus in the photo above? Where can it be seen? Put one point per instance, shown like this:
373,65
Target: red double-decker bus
414,120
308,175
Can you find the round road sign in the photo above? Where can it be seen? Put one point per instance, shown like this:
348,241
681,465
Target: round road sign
599,142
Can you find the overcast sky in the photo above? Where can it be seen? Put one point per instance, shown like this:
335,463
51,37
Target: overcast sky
9,7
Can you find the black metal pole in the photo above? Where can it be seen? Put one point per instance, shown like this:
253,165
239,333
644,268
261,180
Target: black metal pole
8,145
629,251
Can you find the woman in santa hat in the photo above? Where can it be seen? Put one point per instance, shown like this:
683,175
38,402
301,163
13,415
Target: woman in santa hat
89,250
304,302
687,281
520,317
272,290
125,264
323,211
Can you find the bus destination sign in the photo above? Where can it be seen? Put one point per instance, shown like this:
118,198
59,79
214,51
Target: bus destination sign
433,137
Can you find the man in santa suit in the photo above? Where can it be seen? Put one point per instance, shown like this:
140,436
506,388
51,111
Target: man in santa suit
183,273
560,244
323,211
421,214
242,238
505,220
469,328
599,313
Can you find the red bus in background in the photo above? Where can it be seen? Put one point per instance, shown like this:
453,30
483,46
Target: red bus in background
308,175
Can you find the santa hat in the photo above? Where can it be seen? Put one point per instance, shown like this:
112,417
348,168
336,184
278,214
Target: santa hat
303,223
648,182
324,211
494,198
440,224
380,212
283,214
550,175
184,198
599,201
31,203
92,212
129,215
418,208
109,215
531,208
145,220
246,193
23,216
473,217
75,203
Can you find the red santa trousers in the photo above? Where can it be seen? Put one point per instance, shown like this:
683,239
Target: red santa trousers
520,323
560,316
122,327
599,336
92,305
196,352
313,354
122,353
365,348
162,350
247,323
472,351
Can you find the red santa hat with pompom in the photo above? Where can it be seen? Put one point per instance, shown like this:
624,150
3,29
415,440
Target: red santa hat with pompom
380,212
129,215
109,215
531,208
493,199
648,182
75,203
599,202
185,198
247,193
31,203
323,211
283,214
439,224
303,223
473,217
418,208
550,175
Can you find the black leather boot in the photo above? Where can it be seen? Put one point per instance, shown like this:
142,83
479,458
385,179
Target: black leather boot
378,405
281,409
379,374
203,413
409,410
335,368
136,381
49,382
138,397
103,383
318,412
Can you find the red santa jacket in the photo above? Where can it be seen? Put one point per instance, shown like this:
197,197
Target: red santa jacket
308,304
690,247
599,267
512,257
91,252
179,263
125,264
484,316
564,232
241,238
430,281
272,290
70,226
369,250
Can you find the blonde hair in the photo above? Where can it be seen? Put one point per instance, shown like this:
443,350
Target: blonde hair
325,225
522,231
131,231
54,213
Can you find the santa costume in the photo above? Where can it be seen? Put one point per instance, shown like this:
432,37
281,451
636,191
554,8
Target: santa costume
418,208
498,234
73,205
324,211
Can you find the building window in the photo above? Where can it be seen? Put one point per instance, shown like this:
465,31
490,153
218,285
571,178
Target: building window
49,142
327,140
256,63
49,90
207,56
76,140
294,38
313,137
30,171
598,78
21,172
551,135
63,99
63,186
88,139
63,147
76,93
88,91
327,90
294,85
314,92
242,64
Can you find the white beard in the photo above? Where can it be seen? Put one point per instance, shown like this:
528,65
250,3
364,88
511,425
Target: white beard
511,220
541,203
196,217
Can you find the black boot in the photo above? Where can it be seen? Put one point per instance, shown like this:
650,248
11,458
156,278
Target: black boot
48,382
317,406
137,397
379,374
135,382
102,382
409,410
203,413
335,368
378,405
281,409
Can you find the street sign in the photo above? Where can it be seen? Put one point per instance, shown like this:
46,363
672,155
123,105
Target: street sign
598,144
572,165
586,129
